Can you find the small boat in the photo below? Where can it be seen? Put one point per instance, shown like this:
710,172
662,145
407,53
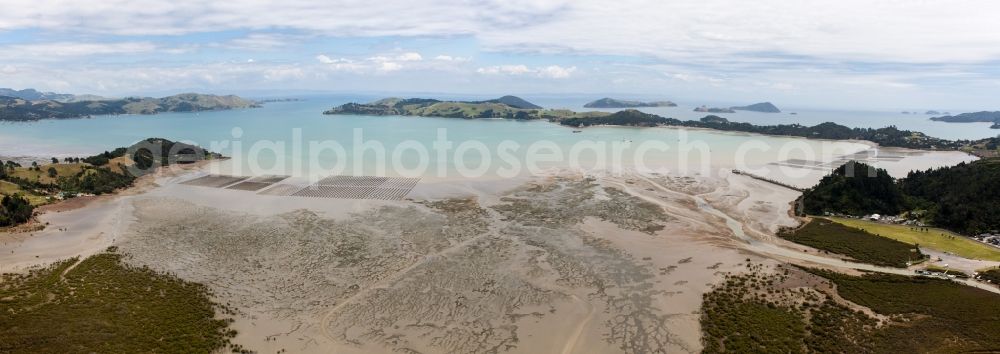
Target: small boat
577,131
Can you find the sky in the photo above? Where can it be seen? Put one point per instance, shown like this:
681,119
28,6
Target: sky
845,54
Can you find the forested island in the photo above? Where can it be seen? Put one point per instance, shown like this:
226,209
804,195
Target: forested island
962,198
608,102
508,107
35,95
21,109
974,117
763,107
706,109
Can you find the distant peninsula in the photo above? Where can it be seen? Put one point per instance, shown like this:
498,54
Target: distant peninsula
974,117
507,107
706,109
504,108
35,95
20,109
616,103
888,136
764,107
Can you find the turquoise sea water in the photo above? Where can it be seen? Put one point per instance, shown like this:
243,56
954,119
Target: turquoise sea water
295,138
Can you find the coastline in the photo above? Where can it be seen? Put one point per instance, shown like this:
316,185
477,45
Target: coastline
312,275
709,226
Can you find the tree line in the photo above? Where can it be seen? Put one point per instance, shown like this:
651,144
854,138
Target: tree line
963,198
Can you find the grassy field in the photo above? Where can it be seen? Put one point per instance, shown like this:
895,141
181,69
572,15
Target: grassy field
62,169
829,236
7,188
101,305
936,239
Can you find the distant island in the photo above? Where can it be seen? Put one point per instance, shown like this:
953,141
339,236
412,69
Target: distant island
974,117
510,107
507,107
888,136
764,107
21,109
707,109
616,103
287,99
35,95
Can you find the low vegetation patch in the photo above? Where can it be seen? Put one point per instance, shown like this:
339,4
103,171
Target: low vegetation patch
102,305
933,238
858,244
753,313
765,313
930,314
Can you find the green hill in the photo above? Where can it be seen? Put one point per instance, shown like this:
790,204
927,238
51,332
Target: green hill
616,103
514,101
765,107
855,189
510,107
18,109
962,198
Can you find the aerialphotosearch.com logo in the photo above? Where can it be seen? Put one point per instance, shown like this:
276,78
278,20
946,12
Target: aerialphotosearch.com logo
470,158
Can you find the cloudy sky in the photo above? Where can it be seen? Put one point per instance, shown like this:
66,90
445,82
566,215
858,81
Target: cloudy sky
863,54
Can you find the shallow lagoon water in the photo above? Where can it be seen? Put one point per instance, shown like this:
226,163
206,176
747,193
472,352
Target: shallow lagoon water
295,138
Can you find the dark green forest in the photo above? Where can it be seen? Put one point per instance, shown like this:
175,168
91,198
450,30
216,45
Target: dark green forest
14,209
964,198
855,188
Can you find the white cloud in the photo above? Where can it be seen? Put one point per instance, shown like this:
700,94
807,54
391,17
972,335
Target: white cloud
781,45
387,63
449,58
283,73
124,80
551,72
410,56
57,50
389,66
859,30
504,69
556,72
324,59
261,41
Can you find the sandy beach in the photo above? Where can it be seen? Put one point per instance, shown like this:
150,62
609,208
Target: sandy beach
568,263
